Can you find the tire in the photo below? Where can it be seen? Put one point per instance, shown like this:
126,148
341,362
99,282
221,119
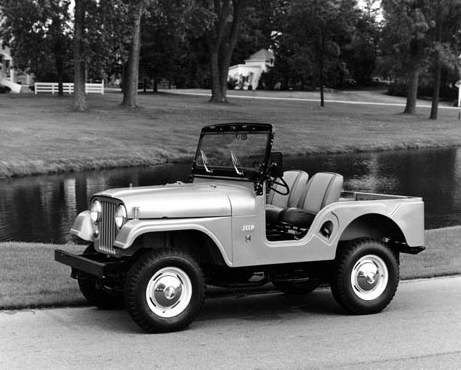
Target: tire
164,291
365,276
104,296
297,288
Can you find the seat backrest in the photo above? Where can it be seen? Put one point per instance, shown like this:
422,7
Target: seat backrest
296,181
322,189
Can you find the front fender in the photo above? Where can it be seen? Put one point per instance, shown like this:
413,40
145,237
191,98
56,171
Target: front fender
83,226
217,228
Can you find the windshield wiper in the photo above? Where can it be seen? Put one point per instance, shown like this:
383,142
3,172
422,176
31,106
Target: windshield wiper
205,162
235,163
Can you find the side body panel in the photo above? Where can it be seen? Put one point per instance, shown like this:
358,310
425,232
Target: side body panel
251,246
240,232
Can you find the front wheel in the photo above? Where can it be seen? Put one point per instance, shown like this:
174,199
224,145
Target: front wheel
164,291
365,276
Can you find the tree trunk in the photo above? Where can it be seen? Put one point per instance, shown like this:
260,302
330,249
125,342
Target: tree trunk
79,102
216,96
224,69
322,81
436,90
438,65
59,71
221,47
322,66
130,83
412,92
58,51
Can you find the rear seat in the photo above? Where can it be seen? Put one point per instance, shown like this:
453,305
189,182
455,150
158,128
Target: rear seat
276,203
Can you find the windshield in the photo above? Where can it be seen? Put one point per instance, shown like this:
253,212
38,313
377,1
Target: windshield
232,153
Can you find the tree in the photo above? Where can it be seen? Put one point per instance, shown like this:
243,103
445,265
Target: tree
264,19
445,30
165,26
100,42
36,30
219,21
79,60
361,53
112,42
406,42
221,42
130,79
319,28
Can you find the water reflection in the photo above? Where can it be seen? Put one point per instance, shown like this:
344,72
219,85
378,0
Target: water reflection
433,174
42,208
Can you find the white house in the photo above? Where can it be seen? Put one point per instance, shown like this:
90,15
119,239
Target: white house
247,75
8,75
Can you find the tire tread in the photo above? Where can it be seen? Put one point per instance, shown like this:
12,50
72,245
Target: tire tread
135,274
338,286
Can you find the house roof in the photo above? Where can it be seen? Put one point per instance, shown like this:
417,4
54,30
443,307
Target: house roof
262,54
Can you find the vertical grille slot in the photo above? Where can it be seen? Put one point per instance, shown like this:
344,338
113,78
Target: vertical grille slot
107,228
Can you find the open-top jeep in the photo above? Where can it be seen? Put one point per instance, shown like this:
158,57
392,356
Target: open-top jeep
241,222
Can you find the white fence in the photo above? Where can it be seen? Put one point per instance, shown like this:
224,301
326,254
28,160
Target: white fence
68,88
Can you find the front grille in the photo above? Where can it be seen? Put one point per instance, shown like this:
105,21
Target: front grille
107,228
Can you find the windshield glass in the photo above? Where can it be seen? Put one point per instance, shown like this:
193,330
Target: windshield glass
233,152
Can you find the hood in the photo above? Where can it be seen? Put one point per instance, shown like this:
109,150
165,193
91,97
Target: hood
177,200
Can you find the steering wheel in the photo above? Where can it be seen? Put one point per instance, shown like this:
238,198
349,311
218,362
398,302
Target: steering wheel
278,181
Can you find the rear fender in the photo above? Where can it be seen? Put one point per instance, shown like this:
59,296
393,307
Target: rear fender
410,239
372,226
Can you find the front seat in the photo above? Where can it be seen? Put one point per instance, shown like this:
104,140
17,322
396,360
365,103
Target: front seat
322,189
297,182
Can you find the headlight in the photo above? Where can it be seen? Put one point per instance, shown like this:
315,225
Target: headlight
95,211
120,216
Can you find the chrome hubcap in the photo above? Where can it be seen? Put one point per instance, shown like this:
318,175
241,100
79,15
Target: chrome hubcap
169,292
369,277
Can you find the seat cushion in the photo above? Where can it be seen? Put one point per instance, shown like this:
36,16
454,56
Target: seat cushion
296,181
272,213
296,217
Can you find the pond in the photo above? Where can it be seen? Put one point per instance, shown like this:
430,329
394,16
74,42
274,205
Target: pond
42,208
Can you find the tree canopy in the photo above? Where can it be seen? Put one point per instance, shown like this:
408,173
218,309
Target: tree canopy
192,43
39,35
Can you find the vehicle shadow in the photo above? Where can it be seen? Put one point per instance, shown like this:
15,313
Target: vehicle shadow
264,306
271,305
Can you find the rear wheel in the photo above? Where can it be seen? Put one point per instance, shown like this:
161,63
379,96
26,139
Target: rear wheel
164,291
365,276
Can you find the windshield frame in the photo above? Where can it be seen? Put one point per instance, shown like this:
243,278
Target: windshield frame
233,171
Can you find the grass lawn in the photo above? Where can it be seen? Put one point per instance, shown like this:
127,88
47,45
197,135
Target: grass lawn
41,134
29,276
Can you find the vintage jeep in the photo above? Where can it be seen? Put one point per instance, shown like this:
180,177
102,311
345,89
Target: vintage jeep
241,222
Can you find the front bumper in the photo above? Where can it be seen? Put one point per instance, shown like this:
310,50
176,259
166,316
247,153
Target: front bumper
95,264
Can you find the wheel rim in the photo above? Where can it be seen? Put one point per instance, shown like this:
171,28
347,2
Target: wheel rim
369,277
169,292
